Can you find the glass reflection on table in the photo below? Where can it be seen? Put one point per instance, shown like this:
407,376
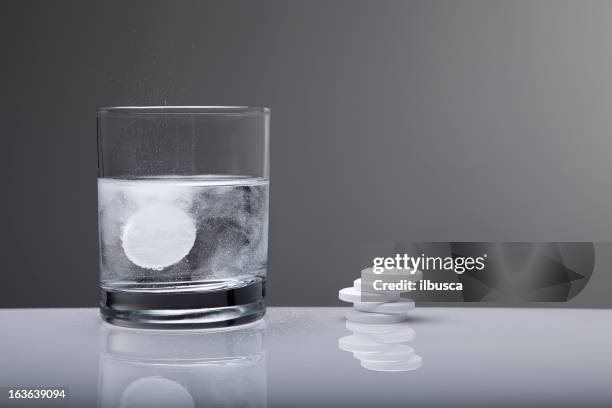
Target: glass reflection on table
192,368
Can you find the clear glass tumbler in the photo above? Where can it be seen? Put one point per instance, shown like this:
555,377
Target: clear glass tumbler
183,215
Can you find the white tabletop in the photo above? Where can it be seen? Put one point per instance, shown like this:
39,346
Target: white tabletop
477,357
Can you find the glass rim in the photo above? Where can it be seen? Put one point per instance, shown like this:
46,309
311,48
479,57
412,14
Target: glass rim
182,110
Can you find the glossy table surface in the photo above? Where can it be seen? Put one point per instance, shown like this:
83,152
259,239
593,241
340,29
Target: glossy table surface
476,357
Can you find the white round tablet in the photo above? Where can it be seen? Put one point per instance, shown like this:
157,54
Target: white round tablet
400,306
158,236
353,295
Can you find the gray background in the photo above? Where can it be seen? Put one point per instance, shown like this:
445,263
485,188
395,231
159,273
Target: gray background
391,120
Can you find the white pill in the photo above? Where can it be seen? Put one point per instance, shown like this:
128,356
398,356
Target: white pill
374,318
398,352
402,305
360,343
352,295
366,306
412,364
158,236
357,284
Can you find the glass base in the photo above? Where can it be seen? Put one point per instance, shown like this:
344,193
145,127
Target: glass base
184,310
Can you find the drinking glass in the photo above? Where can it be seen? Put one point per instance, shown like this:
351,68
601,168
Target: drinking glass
183,215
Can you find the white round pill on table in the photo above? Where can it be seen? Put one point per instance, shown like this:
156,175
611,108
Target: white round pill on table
353,295
374,318
367,306
400,306
158,236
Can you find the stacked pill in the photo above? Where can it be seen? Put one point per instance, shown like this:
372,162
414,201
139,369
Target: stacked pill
376,306
379,328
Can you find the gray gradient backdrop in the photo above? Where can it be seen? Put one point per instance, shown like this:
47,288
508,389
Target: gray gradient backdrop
391,120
